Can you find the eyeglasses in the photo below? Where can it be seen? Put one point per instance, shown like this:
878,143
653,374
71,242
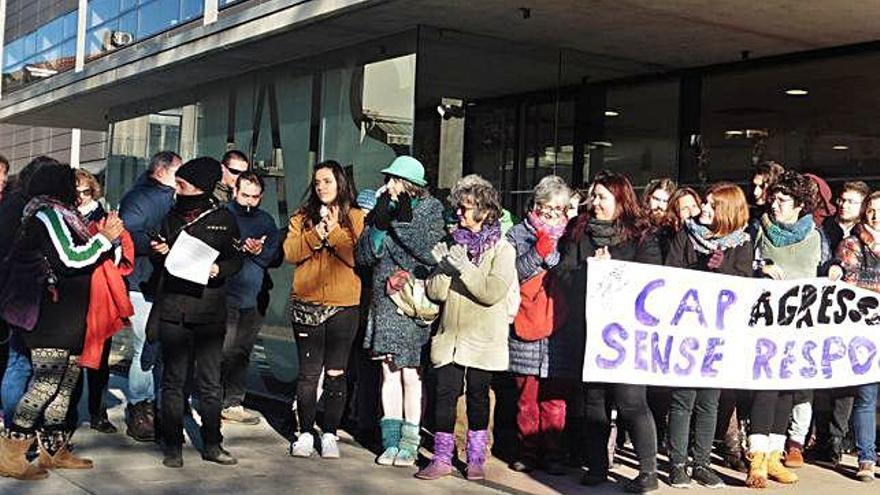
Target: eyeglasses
851,202
781,201
85,193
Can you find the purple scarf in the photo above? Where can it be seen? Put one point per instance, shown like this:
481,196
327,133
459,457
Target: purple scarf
477,243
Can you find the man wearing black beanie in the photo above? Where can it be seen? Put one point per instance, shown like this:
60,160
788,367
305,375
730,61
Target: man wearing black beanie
192,316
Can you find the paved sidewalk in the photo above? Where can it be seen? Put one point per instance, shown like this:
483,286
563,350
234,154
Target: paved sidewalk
124,466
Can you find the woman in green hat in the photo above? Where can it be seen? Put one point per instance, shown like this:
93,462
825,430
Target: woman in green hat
402,229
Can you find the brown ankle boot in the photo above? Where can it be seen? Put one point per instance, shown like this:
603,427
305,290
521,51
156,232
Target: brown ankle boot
777,472
757,470
63,457
13,460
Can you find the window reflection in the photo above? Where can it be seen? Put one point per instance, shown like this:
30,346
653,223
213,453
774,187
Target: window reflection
42,53
113,24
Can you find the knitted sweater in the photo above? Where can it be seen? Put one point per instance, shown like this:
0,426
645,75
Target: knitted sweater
406,246
798,260
860,259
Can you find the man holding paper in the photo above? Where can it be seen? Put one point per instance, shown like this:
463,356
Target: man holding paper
196,249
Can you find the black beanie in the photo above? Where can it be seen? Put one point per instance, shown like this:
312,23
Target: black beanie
203,172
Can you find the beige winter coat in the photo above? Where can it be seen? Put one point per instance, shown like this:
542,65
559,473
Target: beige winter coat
474,319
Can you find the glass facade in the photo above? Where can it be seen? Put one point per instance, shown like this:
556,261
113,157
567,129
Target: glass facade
41,53
113,24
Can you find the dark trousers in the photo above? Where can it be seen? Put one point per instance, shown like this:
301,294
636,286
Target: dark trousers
701,405
450,382
832,424
242,328
326,346
200,348
633,414
97,385
771,410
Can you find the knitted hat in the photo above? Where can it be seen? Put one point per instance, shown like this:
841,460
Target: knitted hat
203,172
366,200
407,168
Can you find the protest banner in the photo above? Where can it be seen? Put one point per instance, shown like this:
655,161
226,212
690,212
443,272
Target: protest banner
666,326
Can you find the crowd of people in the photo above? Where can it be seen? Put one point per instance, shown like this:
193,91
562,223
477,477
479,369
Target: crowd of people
440,297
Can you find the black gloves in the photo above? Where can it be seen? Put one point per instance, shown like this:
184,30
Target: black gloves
404,208
381,213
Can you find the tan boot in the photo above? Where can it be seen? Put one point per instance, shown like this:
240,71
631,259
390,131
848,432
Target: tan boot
777,472
757,470
63,458
13,460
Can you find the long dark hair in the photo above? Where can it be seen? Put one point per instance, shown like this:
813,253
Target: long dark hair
311,207
629,217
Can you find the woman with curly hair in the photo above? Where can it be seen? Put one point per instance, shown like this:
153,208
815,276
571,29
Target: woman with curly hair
614,228
475,273
788,247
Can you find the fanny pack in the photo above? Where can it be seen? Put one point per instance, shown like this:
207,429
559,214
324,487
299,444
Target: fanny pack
310,314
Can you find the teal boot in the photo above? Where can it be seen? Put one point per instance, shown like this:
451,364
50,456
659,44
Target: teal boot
409,445
390,440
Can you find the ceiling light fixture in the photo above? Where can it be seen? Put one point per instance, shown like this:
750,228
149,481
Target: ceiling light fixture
611,113
733,133
840,147
797,92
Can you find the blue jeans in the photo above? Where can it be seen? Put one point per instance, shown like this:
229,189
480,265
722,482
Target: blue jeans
15,381
865,422
140,382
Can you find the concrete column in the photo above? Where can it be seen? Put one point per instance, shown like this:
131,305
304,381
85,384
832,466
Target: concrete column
81,18
212,7
75,142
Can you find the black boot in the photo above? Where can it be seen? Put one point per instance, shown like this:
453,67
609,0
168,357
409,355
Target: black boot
173,456
644,482
216,453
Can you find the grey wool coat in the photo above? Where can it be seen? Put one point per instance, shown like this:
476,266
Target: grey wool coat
407,246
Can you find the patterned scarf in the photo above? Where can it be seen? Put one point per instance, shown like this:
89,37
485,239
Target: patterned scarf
477,243
70,215
705,242
786,234
603,232
536,222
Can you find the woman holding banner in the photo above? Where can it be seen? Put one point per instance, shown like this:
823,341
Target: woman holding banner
788,247
614,228
859,258
716,242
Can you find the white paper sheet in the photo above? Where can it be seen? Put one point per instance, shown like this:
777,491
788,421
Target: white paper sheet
191,259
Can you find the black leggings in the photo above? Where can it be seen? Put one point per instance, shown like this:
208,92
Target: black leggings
44,405
450,381
771,411
326,346
633,414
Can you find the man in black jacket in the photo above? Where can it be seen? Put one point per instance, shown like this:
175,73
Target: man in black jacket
192,307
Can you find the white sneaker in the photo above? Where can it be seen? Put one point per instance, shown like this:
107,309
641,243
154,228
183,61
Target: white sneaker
304,446
329,447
